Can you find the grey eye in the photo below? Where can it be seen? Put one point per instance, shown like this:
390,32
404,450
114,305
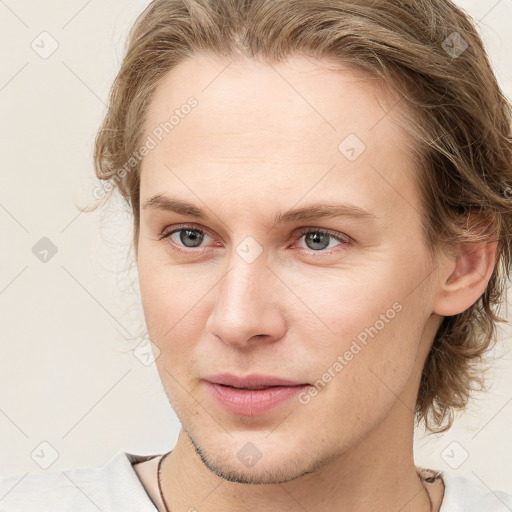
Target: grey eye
317,240
190,237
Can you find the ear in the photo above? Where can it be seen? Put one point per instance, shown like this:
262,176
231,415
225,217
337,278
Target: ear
464,277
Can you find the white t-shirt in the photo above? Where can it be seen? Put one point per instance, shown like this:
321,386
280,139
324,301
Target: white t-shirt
116,487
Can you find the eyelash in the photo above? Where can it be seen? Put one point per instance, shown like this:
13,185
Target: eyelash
343,239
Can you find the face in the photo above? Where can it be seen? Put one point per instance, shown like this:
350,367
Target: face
300,257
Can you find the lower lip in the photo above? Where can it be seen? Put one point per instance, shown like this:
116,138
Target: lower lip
251,402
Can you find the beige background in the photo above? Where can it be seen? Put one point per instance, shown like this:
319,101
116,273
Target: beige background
67,376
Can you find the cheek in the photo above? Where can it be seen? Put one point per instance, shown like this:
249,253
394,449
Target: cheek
349,304
176,308
357,383
172,310
167,291
375,326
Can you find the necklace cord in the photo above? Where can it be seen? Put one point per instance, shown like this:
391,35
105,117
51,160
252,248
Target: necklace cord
428,479
160,483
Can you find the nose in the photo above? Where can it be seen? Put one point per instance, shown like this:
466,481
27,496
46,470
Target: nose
247,305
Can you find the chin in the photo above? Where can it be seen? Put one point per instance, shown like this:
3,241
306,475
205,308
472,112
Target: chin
255,462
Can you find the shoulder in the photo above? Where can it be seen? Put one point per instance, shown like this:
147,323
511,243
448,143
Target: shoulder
109,488
463,495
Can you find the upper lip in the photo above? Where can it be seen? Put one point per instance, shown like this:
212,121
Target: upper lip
253,380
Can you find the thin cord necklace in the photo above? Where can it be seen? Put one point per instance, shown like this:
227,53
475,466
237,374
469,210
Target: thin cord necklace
431,505
160,483
428,479
423,479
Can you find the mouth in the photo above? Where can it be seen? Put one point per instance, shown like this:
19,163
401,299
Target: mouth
252,395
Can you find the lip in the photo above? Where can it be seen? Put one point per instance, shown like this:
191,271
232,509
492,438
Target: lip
226,390
254,380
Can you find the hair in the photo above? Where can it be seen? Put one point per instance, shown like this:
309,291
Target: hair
426,50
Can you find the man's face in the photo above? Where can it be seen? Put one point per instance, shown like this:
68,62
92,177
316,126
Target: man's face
342,302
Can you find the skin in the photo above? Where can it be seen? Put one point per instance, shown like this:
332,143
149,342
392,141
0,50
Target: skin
265,139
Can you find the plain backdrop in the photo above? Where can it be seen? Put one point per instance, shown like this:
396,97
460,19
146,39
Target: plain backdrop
73,392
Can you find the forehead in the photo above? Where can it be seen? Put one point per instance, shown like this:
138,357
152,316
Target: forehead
300,127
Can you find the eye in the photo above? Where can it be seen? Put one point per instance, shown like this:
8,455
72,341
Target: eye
317,239
186,236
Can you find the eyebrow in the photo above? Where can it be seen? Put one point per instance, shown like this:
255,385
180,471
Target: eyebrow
311,212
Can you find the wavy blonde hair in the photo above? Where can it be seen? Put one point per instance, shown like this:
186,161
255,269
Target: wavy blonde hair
461,127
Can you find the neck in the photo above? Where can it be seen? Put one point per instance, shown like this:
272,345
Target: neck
376,474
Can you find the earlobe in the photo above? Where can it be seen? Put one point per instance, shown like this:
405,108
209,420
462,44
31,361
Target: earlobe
468,279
